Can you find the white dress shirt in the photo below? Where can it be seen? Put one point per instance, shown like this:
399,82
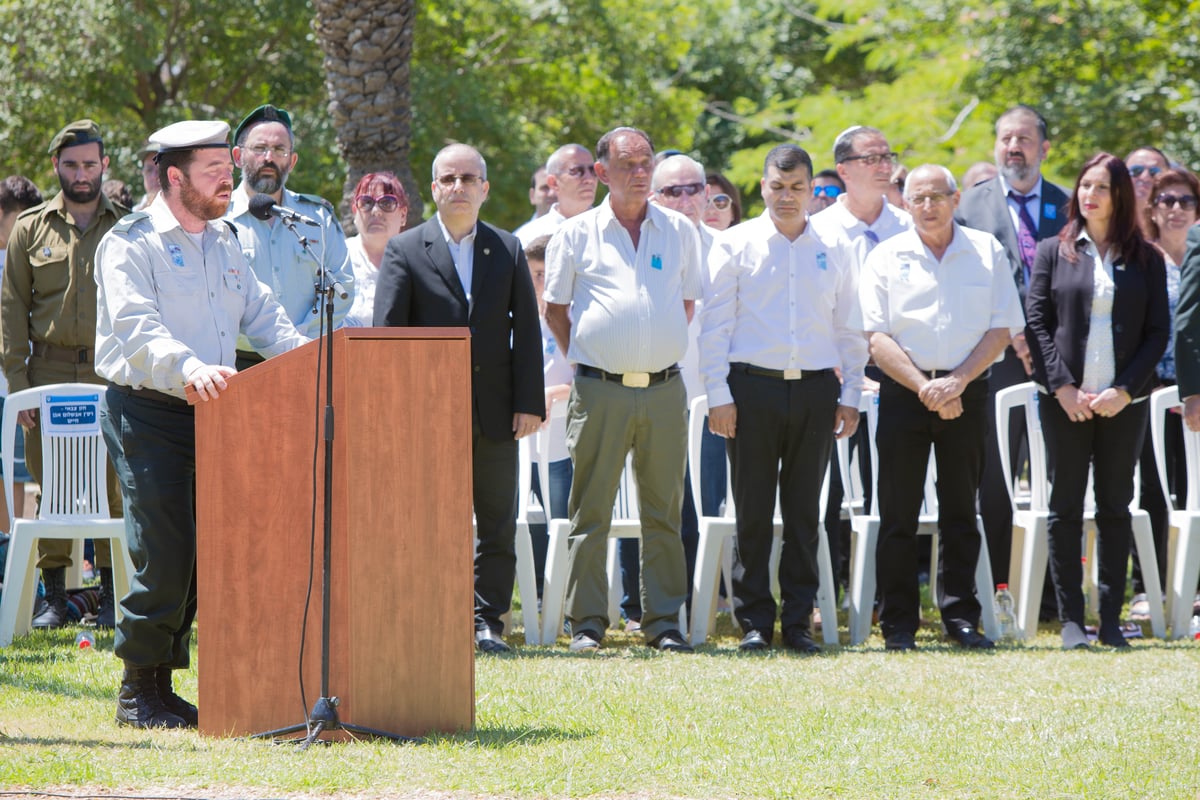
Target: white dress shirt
463,254
626,302
545,225
837,220
1099,360
781,305
938,311
366,276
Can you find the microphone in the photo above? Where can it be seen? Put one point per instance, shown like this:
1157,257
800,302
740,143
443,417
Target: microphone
263,207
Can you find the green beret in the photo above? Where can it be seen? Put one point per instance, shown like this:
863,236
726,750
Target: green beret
265,113
80,131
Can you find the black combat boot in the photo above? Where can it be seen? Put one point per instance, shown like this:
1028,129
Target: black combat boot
106,614
138,703
54,614
173,702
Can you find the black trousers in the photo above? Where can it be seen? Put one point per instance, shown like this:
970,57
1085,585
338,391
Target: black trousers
1110,446
784,436
905,434
494,479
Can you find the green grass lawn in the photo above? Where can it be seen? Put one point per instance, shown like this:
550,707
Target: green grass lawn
1024,721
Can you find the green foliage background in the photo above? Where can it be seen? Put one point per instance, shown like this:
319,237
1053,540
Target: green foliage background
723,80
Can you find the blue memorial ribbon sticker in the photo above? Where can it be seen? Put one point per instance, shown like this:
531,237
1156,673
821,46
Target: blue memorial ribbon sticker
1049,211
176,254
821,265
656,262
904,267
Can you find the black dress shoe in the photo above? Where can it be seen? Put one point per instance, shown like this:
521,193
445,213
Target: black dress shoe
1074,637
488,641
800,640
1112,636
900,642
754,642
971,639
671,641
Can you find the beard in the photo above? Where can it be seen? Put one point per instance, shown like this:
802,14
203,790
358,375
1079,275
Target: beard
1017,171
267,179
81,192
205,207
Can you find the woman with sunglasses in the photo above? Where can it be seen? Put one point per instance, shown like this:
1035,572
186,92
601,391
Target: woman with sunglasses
1144,165
1173,211
1097,324
724,203
380,208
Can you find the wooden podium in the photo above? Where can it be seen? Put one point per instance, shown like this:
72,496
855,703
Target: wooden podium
401,643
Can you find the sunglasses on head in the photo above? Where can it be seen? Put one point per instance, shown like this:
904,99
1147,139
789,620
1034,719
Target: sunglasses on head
826,191
690,189
1136,171
387,203
720,201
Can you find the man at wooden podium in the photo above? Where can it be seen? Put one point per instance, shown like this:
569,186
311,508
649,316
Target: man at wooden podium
455,270
174,292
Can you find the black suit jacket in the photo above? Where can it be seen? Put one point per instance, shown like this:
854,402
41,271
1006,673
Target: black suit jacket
985,208
1058,314
418,286
1187,320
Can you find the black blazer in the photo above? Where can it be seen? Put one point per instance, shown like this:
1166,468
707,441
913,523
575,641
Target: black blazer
1187,320
1058,314
985,207
418,286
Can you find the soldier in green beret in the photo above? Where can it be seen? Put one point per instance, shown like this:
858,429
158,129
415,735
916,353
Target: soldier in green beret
48,324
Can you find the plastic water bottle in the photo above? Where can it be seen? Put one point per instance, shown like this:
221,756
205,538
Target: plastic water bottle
1005,615
1194,630
85,641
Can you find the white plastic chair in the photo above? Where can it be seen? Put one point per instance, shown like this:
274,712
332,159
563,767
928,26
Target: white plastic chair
74,501
1030,544
716,538
1183,544
865,538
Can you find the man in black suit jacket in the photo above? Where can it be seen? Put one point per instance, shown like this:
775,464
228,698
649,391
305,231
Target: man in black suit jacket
1187,333
1021,146
454,270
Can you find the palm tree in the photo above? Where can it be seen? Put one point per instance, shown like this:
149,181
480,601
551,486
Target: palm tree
368,46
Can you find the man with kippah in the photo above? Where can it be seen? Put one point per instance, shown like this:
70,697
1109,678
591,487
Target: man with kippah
264,149
48,325
174,293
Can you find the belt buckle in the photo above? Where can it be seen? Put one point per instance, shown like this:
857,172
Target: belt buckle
793,374
636,380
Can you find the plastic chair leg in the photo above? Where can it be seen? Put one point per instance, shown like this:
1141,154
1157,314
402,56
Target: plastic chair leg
1184,571
616,587
863,539
1030,554
20,588
985,591
555,591
714,533
826,589
527,585
1143,540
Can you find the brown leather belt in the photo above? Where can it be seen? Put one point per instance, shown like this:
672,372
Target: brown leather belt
68,355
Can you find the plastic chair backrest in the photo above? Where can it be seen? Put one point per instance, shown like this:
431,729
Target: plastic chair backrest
1025,397
74,458
1161,402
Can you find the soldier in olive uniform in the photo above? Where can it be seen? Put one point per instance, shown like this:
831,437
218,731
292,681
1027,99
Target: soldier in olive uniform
48,324
264,149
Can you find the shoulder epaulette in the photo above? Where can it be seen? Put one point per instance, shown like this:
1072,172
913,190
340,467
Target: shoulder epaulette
129,220
232,229
316,199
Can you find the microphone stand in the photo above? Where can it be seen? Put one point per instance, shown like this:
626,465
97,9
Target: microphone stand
324,715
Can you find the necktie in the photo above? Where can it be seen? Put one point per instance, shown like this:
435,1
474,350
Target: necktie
1026,230
872,237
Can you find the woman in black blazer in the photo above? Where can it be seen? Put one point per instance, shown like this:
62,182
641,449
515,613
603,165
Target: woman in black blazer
1097,323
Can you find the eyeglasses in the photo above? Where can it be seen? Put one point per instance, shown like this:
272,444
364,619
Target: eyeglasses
690,189
720,201
933,199
1137,170
874,159
262,150
467,180
1186,201
826,191
580,170
387,203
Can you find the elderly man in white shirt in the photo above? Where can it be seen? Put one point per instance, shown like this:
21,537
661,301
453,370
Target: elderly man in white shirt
939,306
779,322
621,282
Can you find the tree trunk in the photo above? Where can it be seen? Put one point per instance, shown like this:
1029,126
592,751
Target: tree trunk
368,47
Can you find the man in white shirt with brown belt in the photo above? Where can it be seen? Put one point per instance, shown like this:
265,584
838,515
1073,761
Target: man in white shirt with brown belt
778,323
